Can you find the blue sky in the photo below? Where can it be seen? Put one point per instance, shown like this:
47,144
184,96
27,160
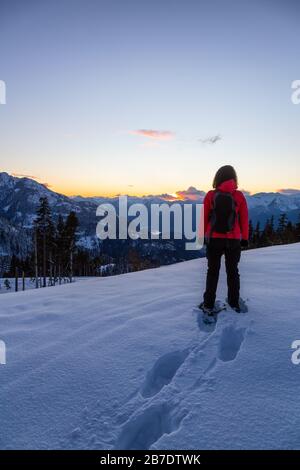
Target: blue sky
124,96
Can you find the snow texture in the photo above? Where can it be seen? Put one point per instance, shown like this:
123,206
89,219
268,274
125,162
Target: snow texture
125,363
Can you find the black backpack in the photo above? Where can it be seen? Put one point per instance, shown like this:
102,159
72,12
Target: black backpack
223,214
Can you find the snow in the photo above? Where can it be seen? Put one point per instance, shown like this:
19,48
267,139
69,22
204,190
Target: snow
7,180
284,202
126,362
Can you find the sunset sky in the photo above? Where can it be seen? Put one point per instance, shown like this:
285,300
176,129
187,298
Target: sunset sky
140,97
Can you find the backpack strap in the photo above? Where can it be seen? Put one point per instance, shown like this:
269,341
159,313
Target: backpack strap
212,216
234,205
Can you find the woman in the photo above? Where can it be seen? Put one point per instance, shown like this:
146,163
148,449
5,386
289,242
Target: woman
226,229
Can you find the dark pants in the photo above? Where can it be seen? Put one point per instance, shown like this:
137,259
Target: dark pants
214,251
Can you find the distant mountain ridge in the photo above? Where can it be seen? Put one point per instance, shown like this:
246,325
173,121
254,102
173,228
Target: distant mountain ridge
19,199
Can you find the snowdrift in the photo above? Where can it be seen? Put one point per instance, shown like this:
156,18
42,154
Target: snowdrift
126,363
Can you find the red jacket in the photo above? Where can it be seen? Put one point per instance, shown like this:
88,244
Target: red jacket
241,226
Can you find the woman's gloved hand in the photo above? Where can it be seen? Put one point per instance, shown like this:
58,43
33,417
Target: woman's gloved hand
244,243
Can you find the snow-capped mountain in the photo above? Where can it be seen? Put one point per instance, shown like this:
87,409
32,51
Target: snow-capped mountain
265,205
19,199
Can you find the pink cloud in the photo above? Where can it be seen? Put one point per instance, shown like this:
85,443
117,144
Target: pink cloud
167,197
154,134
191,194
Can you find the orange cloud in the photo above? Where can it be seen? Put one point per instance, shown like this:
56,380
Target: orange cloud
154,134
190,194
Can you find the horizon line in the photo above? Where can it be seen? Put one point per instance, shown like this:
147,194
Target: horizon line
191,193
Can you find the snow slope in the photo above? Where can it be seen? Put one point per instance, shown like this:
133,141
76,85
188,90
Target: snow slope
125,362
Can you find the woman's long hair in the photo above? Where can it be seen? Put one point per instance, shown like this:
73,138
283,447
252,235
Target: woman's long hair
226,172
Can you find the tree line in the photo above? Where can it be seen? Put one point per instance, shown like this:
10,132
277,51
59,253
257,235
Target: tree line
56,256
54,244
284,232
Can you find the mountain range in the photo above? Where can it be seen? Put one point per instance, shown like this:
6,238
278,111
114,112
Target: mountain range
19,199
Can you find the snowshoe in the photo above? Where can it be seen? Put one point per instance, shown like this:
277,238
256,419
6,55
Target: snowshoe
241,307
210,314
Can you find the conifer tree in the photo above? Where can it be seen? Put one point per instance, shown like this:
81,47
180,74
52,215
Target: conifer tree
70,239
45,235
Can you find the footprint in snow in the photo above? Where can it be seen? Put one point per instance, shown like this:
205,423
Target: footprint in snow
163,372
230,342
145,428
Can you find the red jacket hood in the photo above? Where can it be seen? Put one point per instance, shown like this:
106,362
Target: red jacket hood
228,186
